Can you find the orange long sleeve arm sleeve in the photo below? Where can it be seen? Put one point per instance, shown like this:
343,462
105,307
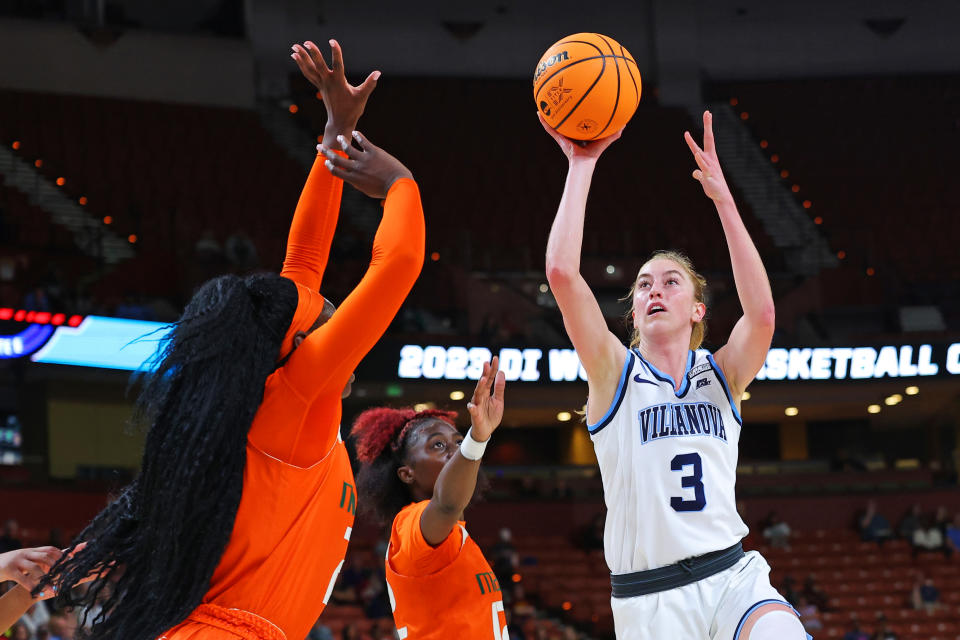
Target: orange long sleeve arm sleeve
314,221
328,356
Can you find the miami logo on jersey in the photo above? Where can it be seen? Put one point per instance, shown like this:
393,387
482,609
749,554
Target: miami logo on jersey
681,419
488,582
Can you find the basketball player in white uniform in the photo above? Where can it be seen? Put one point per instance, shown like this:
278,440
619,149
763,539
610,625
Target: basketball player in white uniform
664,417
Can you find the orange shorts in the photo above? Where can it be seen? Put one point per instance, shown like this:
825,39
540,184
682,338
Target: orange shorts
213,622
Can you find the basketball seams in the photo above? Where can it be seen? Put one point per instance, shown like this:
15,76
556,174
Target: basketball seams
616,103
636,89
556,71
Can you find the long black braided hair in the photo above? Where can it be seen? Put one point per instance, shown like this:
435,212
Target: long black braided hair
162,538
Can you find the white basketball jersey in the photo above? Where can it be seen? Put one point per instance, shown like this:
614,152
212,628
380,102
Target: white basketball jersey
668,460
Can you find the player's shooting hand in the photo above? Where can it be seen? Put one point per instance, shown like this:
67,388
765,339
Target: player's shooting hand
344,102
579,149
709,174
486,408
369,168
27,566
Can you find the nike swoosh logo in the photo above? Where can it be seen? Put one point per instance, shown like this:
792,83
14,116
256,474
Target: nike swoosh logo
637,378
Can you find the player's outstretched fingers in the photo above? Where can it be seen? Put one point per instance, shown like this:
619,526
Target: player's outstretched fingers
368,85
302,58
317,57
337,56
708,142
694,147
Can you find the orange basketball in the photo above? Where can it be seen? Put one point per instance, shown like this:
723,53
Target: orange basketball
586,86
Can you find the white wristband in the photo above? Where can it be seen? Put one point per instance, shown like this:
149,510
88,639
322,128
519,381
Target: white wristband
470,448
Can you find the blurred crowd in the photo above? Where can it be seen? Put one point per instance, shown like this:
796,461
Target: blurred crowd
359,600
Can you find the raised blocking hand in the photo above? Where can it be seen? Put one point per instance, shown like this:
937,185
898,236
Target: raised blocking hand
343,101
486,408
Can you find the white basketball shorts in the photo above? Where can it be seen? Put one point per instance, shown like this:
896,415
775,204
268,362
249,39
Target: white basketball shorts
714,608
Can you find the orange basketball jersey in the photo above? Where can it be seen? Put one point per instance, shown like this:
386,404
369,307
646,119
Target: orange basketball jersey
460,600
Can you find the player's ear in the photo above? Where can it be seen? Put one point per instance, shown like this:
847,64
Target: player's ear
405,474
699,311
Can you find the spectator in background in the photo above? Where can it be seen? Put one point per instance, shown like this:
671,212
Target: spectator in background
37,299
809,615
350,583
593,534
10,540
36,617
382,629
376,602
207,248
855,632
521,608
953,534
240,251
927,538
909,523
813,593
351,632
873,526
63,626
924,595
942,520
504,560
789,590
776,532
884,632
320,631
19,631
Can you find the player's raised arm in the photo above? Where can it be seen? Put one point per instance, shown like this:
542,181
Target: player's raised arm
600,351
746,349
458,480
315,219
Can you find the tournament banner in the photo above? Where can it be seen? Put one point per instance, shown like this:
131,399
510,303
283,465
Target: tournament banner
120,343
436,362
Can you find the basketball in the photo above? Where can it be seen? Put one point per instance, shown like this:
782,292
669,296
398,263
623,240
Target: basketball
586,86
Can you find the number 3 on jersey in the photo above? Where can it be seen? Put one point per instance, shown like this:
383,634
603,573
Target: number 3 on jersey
692,481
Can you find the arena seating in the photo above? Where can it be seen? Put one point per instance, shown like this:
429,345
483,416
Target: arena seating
491,178
572,585
166,173
861,579
883,198
33,248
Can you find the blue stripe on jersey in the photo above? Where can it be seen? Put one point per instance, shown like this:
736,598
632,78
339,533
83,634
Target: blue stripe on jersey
736,634
726,387
663,377
617,398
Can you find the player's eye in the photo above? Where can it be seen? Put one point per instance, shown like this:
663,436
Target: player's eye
439,444
459,442
643,284
673,281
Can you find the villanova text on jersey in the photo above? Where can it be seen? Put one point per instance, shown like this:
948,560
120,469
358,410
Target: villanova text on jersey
676,419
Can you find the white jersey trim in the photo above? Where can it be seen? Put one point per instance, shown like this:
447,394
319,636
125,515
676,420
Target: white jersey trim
663,377
617,397
726,388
